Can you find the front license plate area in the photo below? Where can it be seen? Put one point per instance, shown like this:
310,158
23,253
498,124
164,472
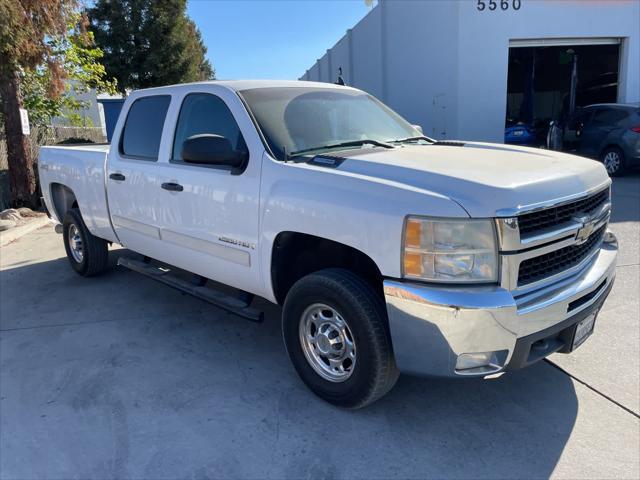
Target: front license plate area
584,329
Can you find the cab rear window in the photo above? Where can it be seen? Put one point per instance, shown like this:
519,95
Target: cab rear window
143,128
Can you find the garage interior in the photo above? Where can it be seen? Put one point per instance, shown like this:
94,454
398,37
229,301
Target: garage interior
548,82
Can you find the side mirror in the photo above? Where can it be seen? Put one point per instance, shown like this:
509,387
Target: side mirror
209,149
419,128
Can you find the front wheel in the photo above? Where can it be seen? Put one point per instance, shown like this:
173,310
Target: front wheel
335,331
613,160
87,254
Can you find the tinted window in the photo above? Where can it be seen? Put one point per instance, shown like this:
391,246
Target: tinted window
143,128
205,113
609,116
580,118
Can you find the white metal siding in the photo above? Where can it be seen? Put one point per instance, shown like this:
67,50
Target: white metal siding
443,64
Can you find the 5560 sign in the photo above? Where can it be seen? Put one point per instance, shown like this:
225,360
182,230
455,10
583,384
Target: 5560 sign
493,5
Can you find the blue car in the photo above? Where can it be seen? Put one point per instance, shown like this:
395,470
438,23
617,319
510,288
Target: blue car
520,134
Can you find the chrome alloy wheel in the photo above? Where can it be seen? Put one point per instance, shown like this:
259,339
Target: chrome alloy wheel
612,162
75,243
327,342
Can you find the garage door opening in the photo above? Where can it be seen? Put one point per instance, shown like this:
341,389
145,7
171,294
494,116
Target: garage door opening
548,83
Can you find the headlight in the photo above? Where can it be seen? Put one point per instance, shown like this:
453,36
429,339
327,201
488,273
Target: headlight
450,250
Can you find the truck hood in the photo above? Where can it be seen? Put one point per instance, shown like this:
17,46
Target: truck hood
485,179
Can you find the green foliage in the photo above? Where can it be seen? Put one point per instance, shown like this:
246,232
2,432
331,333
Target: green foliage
35,97
74,57
149,43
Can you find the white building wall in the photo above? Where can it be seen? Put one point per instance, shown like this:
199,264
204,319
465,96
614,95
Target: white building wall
367,54
483,54
444,65
340,58
91,115
421,51
325,67
313,73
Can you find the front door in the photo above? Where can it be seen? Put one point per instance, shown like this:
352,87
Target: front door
208,215
573,130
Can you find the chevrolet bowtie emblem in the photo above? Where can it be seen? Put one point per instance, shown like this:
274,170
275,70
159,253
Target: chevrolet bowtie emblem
587,228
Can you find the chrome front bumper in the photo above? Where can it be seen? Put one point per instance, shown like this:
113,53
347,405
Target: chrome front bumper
432,325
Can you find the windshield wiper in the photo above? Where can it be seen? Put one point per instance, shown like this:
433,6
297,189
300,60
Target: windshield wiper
352,143
413,139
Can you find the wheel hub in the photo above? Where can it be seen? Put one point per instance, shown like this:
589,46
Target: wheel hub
329,340
324,344
75,244
612,162
327,343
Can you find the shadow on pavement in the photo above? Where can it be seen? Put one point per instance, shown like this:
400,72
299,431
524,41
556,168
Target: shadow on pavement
118,376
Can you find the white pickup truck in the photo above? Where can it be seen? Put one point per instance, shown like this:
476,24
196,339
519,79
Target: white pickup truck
390,252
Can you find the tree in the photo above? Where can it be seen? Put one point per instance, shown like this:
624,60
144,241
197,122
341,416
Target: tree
148,43
79,60
24,26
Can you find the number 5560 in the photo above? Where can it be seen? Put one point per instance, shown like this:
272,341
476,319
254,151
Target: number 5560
493,5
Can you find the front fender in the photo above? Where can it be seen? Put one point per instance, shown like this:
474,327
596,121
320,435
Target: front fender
361,212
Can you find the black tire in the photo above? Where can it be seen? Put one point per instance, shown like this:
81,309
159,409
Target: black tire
614,169
95,253
374,372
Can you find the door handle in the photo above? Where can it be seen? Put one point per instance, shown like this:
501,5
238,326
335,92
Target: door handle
118,177
172,187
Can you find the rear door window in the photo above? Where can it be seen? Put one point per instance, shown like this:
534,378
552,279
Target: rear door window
610,116
143,128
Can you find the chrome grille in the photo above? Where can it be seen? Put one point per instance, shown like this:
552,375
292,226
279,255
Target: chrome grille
550,217
547,265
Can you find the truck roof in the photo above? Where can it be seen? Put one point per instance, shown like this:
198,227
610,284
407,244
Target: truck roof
240,85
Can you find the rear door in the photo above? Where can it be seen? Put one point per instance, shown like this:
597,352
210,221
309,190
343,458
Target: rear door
132,172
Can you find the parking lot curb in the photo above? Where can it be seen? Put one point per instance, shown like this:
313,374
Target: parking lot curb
13,234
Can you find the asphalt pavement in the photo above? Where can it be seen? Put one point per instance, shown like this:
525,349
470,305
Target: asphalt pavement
120,377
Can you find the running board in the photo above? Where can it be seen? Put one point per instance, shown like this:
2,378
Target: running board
215,297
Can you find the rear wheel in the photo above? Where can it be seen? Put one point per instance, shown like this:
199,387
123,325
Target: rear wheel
335,331
614,161
87,254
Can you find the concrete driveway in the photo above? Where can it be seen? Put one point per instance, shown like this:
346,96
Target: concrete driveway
120,377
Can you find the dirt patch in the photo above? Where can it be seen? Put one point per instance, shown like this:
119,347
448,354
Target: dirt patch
20,216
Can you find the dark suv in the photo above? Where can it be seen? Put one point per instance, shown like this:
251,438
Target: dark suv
609,132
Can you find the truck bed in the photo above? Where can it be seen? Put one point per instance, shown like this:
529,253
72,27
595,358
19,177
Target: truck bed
81,170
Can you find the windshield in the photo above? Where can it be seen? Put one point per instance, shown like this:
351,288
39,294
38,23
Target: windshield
316,119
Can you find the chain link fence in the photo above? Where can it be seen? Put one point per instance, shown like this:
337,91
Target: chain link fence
43,136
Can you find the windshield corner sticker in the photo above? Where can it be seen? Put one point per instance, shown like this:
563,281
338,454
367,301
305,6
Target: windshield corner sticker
238,243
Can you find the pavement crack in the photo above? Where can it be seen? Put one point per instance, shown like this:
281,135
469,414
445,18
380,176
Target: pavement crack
95,322
593,389
70,324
